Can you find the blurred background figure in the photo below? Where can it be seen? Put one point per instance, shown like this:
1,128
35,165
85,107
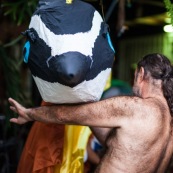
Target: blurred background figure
117,88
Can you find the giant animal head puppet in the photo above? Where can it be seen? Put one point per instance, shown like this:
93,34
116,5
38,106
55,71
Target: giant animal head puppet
68,51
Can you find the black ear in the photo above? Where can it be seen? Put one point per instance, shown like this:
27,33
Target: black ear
30,34
104,29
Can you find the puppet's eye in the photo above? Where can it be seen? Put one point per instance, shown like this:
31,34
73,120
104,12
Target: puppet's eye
26,51
109,41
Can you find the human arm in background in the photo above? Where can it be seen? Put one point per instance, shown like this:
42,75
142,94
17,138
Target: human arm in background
101,133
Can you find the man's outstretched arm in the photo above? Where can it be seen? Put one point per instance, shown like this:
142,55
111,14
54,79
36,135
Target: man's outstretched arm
105,113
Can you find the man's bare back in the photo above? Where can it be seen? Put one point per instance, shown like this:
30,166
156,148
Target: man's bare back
136,130
143,145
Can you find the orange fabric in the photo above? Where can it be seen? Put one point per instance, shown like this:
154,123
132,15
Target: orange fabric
43,149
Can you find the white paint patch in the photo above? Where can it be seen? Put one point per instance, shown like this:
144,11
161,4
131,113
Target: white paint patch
84,92
80,42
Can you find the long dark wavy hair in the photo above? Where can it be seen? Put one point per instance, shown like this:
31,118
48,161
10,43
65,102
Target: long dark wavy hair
160,67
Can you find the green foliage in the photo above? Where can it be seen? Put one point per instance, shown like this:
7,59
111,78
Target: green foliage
11,71
169,8
20,11
13,42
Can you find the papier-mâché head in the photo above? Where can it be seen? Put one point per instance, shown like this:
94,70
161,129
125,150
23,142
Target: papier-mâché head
68,51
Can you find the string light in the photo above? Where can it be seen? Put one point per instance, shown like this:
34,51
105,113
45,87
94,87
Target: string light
69,1
168,28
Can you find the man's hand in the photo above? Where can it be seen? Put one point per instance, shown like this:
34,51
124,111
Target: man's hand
21,111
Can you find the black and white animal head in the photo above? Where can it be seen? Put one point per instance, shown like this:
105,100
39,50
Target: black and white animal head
68,51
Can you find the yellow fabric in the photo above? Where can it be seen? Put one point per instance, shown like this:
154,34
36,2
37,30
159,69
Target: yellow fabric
69,1
75,141
108,83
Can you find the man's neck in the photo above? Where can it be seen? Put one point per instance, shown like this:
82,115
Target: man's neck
152,89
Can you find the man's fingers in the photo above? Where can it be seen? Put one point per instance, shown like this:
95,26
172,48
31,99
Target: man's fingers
13,109
15,106
13,102
14,120
20,110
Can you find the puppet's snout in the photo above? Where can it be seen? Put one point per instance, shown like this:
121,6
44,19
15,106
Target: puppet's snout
71,68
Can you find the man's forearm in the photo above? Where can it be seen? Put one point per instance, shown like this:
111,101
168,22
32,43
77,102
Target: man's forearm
61,114
48,114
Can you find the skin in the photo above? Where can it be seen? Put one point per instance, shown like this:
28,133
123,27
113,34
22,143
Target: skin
136,130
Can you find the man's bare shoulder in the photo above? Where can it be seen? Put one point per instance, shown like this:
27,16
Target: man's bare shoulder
149,105
156,106
136,106
151,111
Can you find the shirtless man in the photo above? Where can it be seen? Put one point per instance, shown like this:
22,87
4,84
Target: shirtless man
136,130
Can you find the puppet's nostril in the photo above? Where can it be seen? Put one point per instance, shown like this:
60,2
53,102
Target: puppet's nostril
68,76
71,76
